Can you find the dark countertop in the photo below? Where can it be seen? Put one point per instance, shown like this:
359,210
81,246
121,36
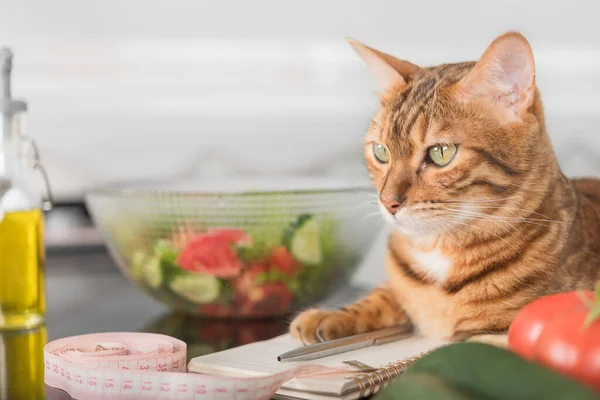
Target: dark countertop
86,293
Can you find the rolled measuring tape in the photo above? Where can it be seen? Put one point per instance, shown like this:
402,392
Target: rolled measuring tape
126,365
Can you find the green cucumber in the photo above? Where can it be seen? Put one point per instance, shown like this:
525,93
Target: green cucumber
152,272
303,239
489,372
165,252
197,288
290,231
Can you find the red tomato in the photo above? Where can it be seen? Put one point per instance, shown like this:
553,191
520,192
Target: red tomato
260,300
232,236
570,348
529,323
551,331
211,253
284,261
275,299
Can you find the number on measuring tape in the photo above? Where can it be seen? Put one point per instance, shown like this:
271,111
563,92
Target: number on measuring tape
151,363
92,384
112,382
224,390
130,383
127,364
149,385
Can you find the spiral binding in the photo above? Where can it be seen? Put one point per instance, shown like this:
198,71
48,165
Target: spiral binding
370,382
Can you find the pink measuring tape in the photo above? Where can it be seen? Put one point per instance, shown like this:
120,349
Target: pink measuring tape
149,366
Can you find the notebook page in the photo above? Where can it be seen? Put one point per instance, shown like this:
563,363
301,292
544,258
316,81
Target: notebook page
259,359
254,359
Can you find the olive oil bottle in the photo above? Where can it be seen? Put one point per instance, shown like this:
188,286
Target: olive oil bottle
22,294
22,283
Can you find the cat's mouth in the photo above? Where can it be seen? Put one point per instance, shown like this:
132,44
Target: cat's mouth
408,223
413,221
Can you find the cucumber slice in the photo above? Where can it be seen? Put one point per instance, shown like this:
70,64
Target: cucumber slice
152,272
199,289
305,242
137,264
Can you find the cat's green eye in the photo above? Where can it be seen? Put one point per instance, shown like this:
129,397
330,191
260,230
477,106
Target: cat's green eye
441,154
381,153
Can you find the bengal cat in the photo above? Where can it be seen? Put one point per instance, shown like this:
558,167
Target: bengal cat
484,220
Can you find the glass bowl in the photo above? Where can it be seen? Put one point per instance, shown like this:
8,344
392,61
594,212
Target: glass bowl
236,251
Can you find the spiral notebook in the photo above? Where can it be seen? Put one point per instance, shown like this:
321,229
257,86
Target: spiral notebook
258,359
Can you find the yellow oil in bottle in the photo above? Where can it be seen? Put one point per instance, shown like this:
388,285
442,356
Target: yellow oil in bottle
22,364
22,280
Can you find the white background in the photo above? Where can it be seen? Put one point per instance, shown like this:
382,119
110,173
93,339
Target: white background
123,90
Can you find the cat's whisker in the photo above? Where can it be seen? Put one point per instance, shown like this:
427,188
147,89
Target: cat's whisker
526,187
510,221
371,194
489,233
455,228
362,204
484,217
499,217
382,224
487,207
452,224
371,214
428,226
446,229
481,200
514,212
439,224
510,208
493,218
433,233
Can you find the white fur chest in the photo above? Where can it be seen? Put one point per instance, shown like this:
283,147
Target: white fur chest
434,263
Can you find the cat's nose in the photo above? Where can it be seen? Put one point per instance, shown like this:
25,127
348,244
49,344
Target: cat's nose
392,204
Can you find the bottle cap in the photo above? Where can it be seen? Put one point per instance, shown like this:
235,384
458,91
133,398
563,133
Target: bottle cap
6,57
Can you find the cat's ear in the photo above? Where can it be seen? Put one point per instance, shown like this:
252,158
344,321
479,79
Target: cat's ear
504,75
388,70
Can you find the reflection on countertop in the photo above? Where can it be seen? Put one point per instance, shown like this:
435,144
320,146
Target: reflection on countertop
87,293
204,336
22,364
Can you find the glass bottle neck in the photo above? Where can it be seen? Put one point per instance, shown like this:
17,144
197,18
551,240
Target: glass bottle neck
15,175
17,193
8,144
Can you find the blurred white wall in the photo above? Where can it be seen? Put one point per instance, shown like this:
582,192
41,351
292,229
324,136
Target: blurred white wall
130,89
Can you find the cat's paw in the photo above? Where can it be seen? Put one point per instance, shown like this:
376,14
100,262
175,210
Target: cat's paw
314,326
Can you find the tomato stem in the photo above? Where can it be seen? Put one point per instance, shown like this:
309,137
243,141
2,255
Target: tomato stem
593,305
585,299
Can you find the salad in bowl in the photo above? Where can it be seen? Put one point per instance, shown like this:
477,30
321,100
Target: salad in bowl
241,254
